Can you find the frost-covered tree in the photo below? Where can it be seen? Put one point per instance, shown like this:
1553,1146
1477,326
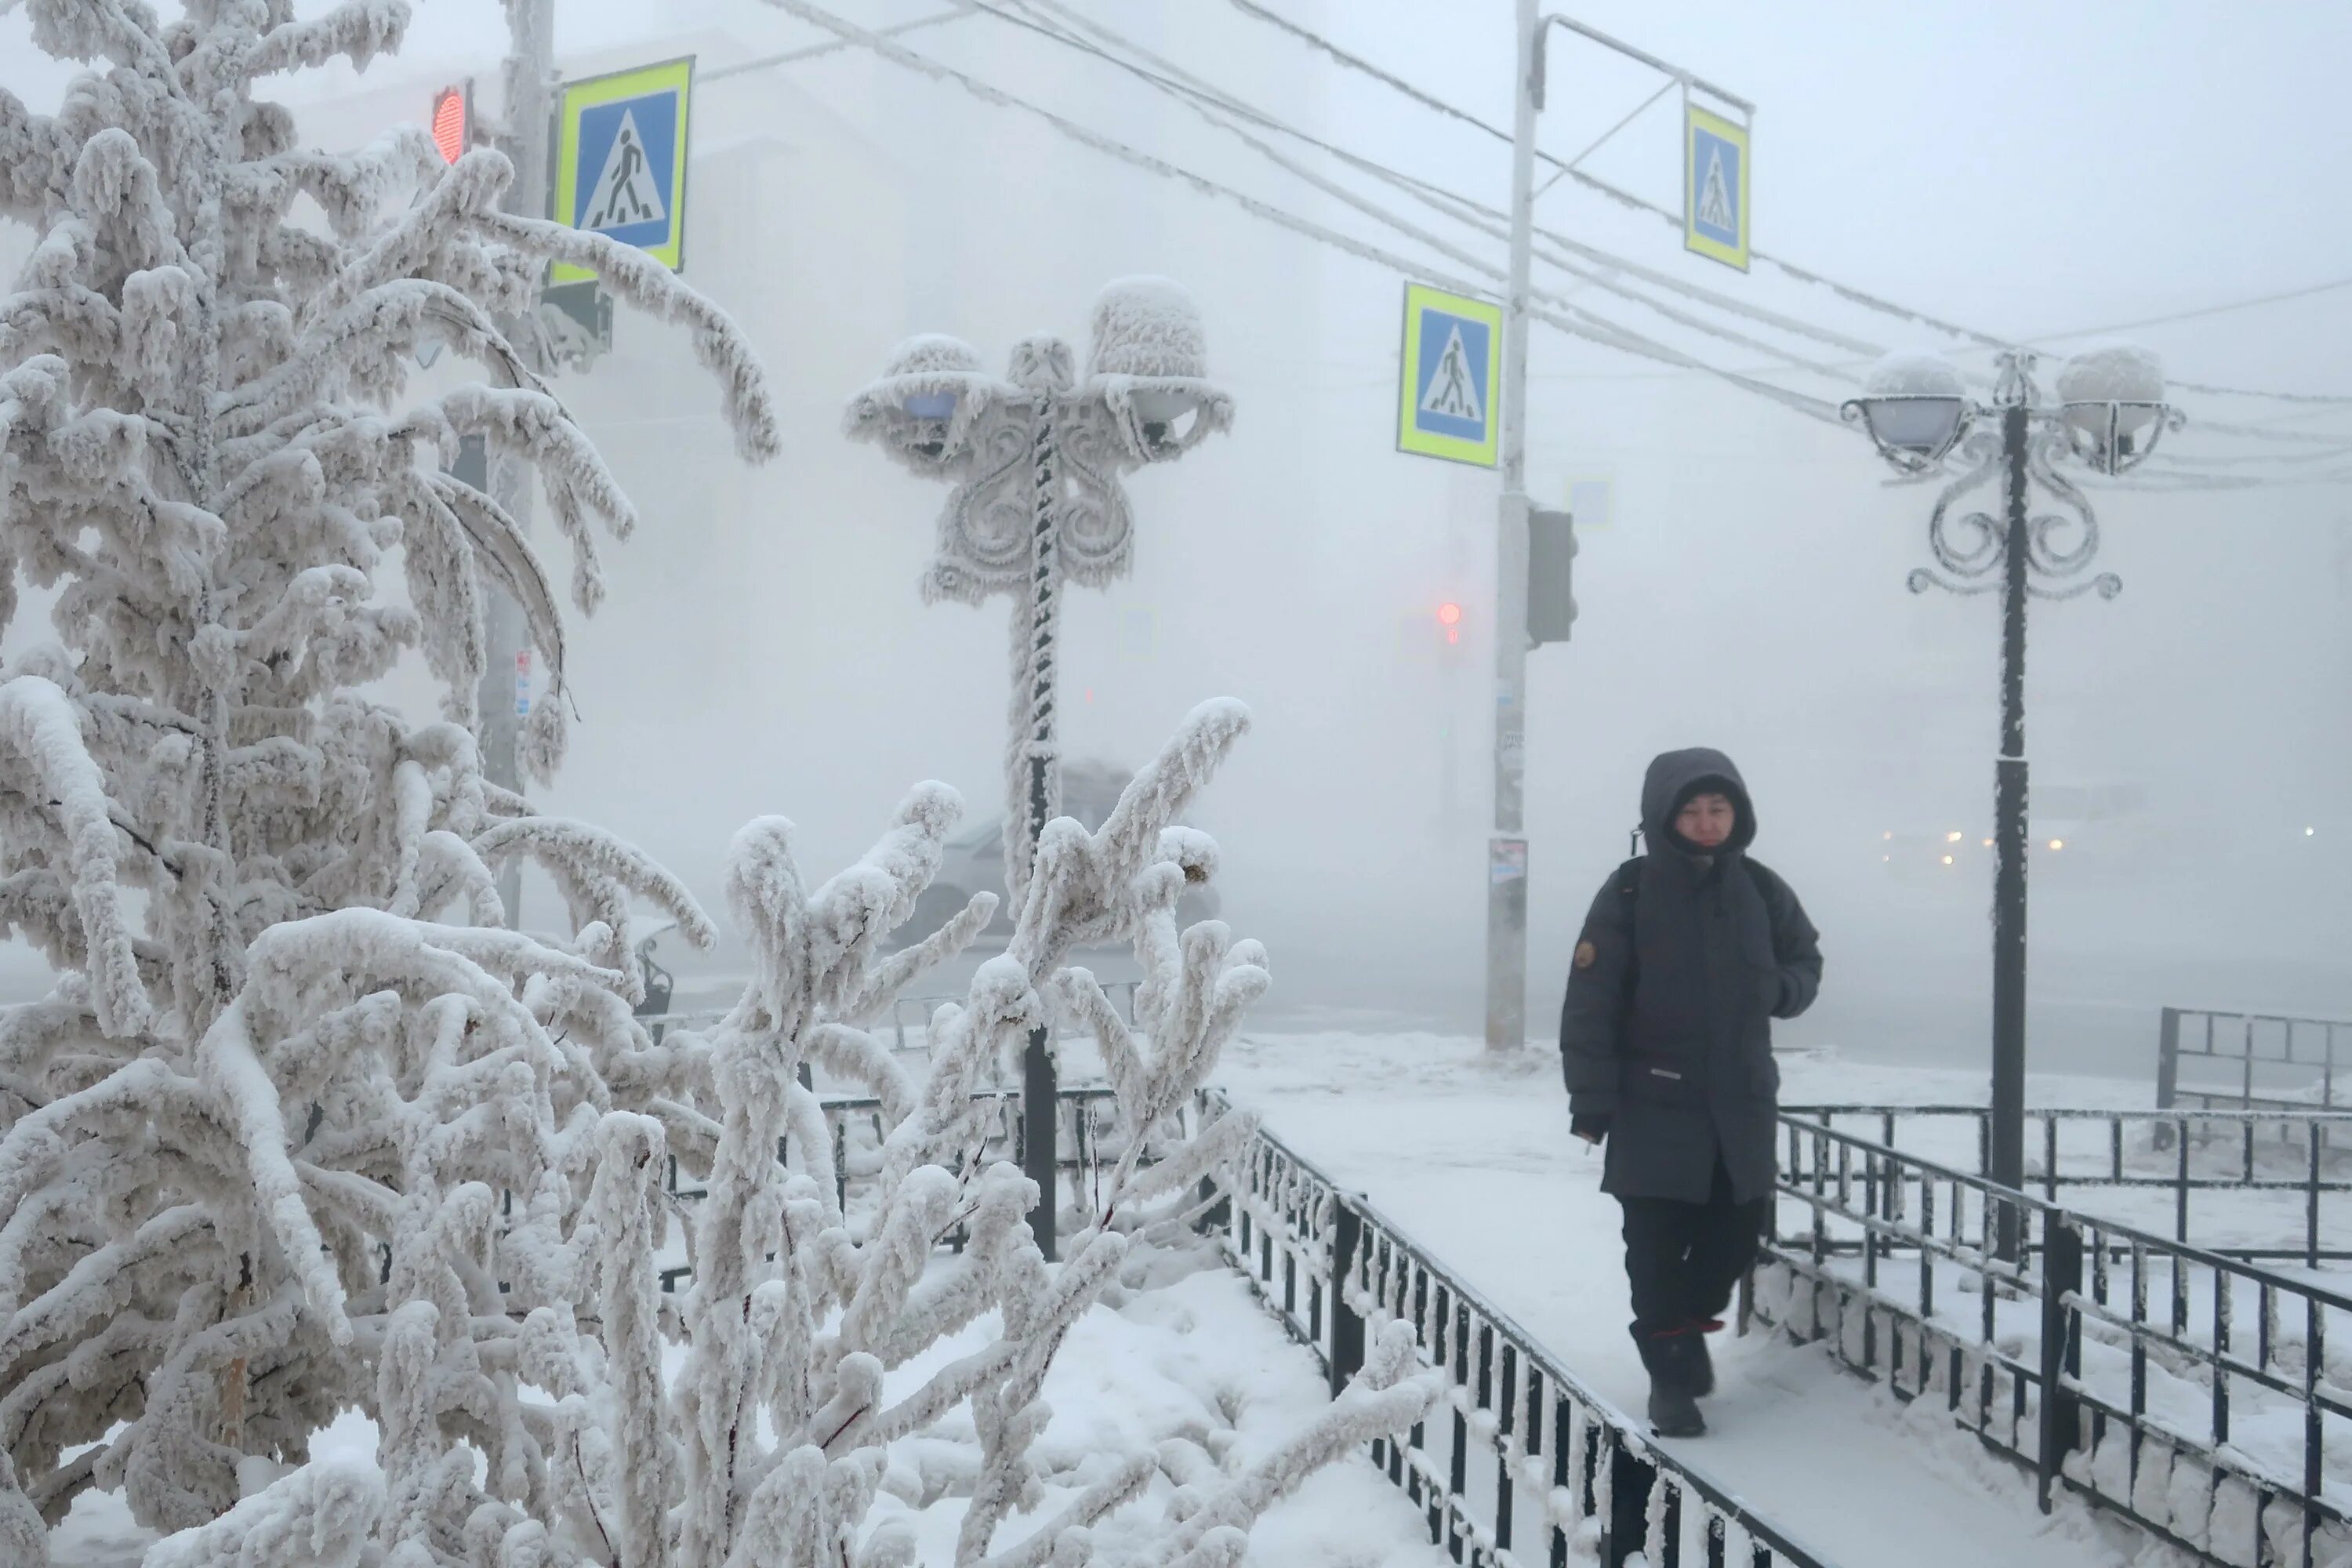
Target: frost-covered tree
304,1126
267,1052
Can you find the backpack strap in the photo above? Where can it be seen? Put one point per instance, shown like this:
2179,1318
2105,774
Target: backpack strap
1628,899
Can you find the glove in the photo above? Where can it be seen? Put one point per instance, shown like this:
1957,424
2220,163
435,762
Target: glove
1591,1129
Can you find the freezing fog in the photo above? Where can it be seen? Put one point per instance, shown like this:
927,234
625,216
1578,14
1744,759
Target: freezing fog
2037,174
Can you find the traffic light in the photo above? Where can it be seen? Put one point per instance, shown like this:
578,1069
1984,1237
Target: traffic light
1552,554
453,121
1449,621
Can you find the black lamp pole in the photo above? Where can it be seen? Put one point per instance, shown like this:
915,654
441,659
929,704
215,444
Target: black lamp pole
2007,1166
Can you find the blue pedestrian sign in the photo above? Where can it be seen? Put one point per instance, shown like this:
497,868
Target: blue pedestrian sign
620,167
1714,186
1451,376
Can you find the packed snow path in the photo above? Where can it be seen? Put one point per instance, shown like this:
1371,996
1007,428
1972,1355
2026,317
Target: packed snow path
1475,1161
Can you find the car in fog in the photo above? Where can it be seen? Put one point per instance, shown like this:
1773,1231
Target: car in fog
2074,832
974,858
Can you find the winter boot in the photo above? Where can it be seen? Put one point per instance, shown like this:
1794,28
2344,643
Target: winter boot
1701,1369
1673,1413
1674,1408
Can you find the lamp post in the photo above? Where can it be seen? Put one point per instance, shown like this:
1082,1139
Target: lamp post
2108,415
1036,460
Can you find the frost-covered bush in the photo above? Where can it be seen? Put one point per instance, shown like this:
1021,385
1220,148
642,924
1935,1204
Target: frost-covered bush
304,1126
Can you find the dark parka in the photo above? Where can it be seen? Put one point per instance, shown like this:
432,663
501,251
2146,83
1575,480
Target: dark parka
1667,1028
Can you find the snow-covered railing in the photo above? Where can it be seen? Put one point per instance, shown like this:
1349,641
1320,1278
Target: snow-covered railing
2192,1393
2267,1059
1531,1467
2268,1186
910,1016
1092,1140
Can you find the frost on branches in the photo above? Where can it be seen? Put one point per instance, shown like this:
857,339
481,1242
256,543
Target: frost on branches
304,1126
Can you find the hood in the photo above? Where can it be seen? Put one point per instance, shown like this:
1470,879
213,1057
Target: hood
1671,779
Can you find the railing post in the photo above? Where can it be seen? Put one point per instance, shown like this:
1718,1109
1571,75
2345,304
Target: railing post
2061,1276
1630,1476
2167,1058
1347,1323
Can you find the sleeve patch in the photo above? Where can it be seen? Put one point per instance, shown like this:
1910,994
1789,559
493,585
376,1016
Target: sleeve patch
1586,954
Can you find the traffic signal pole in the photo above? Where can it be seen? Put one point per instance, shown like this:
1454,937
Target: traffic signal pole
530,71
1517,626
1506,846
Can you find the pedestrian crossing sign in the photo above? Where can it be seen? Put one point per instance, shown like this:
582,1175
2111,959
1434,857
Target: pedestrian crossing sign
620,163
1714,186
1453,377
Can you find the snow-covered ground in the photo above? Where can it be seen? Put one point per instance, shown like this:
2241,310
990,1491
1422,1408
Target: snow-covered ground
1197,1357
1472,1156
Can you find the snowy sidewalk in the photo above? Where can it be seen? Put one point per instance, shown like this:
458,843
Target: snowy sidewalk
1475,1161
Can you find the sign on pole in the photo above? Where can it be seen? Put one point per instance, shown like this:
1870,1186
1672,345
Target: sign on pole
1714,186
620,160
1452,375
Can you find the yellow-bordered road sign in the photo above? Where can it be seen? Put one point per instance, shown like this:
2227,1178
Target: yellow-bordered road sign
619,161
1714,186
1452,383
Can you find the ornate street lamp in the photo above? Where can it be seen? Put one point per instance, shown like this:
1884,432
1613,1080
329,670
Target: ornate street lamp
2109,414
1036,460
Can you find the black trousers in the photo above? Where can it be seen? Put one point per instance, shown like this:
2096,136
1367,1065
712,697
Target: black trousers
1683,1260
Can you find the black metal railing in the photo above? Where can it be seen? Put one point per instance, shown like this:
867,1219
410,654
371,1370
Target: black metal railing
1523,1463
2190,1391
2252,1059
2259,1186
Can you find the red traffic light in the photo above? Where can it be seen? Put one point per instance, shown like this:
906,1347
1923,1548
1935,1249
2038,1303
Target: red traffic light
450,130
1449,616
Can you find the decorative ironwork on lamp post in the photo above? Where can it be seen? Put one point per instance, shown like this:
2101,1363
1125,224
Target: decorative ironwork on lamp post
1036,460
2108,416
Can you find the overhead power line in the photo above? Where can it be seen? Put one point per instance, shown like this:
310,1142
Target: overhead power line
1593,183
794,57
2204,310
1568,318
1847,291
1214,105
1556,311
1220,108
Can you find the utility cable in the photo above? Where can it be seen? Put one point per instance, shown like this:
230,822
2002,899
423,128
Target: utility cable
1197,97
1205,98
1577,321
2202,311
1364,66
1459,207
1593,183
794,57
1570,320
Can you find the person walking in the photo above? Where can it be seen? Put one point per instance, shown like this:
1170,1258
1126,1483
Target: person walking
1666,1039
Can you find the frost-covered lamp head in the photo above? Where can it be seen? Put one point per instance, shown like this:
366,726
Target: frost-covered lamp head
2115,407
1914,409
1149,363
920,410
